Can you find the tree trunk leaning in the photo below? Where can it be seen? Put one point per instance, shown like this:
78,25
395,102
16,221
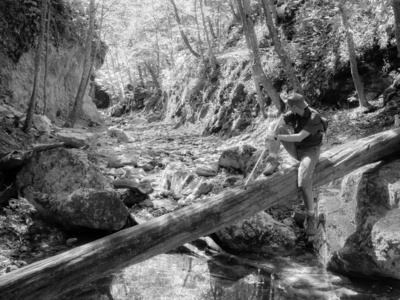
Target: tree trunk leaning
47,279
235,15
396,10
153,75
258,72
210,46
352,54
198,33
32,103
76,110
183,35
46,58
280,50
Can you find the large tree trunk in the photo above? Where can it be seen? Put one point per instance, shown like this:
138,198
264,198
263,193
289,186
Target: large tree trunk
396,10
46,58
352,54
140,75
53,276
153,75
76,110
258,73
210,48
183,35
118,77
32,102
235,15
286,61
210,25
198,32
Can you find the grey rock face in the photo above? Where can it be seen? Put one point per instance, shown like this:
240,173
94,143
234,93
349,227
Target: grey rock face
363,221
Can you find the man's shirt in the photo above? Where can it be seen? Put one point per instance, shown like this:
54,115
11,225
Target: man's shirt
310,122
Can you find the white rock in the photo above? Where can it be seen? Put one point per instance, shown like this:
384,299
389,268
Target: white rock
42,123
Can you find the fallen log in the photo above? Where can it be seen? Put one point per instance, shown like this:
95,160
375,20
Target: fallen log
56,275
18,158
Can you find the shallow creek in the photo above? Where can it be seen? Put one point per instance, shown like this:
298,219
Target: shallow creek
183,276
180,276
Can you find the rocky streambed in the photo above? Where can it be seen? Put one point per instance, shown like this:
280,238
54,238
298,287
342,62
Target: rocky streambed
130,171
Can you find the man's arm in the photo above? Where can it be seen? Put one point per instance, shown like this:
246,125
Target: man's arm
296,137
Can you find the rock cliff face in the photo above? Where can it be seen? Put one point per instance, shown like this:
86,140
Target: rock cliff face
363,221
65,66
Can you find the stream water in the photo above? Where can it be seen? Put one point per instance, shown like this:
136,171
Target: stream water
180,276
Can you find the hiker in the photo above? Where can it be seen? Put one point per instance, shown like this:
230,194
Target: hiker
304,145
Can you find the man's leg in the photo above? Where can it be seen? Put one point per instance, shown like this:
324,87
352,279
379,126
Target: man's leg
308,161
272,160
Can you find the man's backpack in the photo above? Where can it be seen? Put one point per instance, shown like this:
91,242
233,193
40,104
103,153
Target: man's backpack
325,123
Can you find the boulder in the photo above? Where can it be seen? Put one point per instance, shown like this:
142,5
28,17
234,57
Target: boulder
131,197
4,111
138,121
77,138
207,170
258,234
237,157
143,186
261,165
41,123
121,136
60,172
363,220
50,177
93,209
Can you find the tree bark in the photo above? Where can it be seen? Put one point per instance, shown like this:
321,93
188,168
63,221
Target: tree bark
119,78
48,278
258,73
210,25
153,75
140,75
352,54
76,110
396,10
46,58
279,49
210,50
236,16
198,33
114,93
32,103
183,35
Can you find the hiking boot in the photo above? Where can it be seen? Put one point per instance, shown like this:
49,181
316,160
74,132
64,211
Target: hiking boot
272,164
311,225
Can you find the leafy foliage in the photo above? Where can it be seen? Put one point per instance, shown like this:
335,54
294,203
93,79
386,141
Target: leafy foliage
20,22
319,42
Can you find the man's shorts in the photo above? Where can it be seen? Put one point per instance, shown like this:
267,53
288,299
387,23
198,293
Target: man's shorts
308,158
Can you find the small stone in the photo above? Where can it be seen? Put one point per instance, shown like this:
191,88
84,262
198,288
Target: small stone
71,241
229,181
21,263
24,249
182,202
115,163
147,203
11,268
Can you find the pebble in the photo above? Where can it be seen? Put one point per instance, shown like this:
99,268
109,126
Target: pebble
11,268
71,241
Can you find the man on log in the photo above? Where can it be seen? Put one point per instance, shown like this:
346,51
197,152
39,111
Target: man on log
304,145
